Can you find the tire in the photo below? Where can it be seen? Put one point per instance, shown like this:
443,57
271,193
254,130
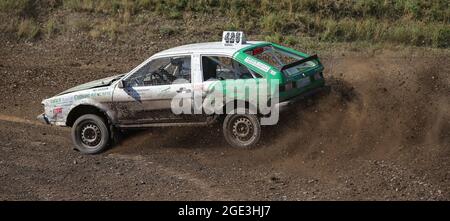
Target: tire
242,130
90,134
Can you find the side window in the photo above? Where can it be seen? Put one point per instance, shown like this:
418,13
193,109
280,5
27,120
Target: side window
162,71
223,68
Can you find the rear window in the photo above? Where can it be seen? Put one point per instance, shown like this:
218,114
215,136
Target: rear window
278,58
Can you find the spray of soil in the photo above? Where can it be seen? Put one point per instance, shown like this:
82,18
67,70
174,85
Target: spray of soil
378,107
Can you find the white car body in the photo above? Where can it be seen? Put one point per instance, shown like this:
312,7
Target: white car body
108,97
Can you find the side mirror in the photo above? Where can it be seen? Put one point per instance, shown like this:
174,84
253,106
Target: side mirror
121,84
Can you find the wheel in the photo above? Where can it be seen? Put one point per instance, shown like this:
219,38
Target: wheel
90,134
242,130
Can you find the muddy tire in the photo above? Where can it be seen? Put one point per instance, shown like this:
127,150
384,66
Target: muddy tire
242,130
90,134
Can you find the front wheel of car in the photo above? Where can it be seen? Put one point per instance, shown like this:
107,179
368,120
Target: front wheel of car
242,130
90,134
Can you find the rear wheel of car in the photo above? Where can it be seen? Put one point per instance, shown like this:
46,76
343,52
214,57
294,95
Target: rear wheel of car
242,130
90,134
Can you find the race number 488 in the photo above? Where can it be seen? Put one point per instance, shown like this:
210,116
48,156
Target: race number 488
230,38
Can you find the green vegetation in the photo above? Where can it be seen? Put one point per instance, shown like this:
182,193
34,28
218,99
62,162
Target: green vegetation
51,27
111,29
405,22
167,31
16,6
28,29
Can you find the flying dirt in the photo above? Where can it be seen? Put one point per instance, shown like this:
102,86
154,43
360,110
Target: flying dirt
381,133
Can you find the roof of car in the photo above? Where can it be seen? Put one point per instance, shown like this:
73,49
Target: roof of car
207,47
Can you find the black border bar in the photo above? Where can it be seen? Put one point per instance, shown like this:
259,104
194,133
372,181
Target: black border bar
165,209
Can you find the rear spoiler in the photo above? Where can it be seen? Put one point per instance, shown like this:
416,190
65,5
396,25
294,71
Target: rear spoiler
295,63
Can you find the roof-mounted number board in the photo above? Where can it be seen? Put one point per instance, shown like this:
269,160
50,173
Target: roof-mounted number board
231,38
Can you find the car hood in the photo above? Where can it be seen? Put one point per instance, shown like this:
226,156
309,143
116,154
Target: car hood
93,84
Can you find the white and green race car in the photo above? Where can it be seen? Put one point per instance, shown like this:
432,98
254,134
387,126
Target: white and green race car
171,88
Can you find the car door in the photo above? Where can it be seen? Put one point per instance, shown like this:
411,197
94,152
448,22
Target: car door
147,94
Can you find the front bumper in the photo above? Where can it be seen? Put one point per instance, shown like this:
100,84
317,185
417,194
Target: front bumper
43,118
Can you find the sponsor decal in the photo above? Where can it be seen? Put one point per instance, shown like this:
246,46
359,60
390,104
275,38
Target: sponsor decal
257,64
55,101
60,101
101,89
97,94
57,110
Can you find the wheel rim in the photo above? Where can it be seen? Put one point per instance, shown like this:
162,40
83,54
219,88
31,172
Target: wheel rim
90,135
242,129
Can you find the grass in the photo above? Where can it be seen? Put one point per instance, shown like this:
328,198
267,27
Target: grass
81,24
441,38
110,29
28,29
51,27
15,6
102,6
168,31
175,15
403,22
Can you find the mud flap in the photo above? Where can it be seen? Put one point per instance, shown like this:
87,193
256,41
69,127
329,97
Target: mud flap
116,134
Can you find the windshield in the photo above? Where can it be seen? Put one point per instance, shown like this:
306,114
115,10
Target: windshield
278,58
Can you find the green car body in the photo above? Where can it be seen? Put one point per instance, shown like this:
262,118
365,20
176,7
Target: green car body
269,72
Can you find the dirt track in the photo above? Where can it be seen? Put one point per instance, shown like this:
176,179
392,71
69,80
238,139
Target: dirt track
382,133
